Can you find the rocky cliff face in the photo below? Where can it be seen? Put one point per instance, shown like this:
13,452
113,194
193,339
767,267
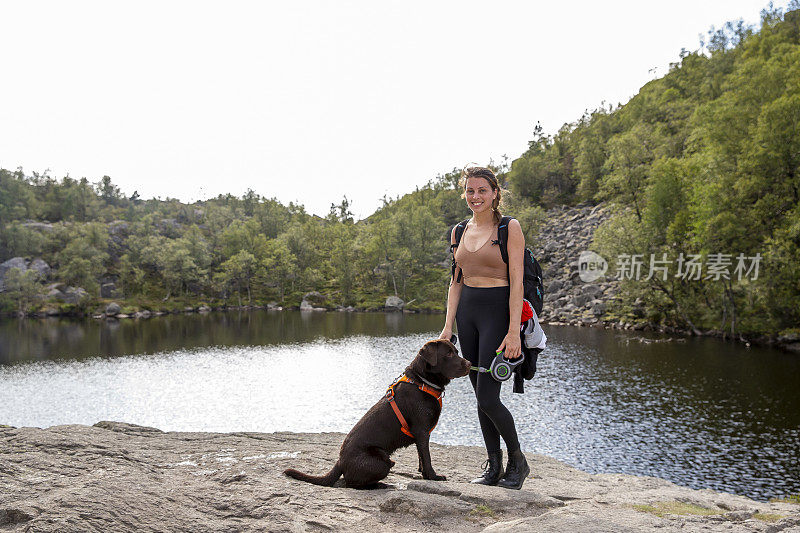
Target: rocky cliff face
120,477
567,232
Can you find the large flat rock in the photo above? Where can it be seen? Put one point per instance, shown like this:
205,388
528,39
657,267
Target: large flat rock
121,477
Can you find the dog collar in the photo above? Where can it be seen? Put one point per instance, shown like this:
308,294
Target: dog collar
428,383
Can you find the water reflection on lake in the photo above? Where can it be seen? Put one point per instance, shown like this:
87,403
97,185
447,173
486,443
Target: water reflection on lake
59,338
702,413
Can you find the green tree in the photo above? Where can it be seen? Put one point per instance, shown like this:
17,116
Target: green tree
179,267
628,165
82,260
277,267
23,288
16,197
237,272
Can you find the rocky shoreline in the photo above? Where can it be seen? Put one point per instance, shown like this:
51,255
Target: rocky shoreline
115,476
568,299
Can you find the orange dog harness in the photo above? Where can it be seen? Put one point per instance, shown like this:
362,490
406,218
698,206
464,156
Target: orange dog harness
424,388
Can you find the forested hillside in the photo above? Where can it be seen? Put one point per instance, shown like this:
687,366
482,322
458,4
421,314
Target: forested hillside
248,250
702,161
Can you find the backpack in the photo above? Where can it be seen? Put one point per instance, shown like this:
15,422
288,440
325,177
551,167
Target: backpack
532,290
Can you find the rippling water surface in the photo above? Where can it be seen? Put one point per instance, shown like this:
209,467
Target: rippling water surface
702,413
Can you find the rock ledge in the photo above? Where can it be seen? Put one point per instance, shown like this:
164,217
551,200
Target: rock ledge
121,477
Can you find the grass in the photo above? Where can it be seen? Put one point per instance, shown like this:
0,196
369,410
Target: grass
768,517
482,510
792,498
675,508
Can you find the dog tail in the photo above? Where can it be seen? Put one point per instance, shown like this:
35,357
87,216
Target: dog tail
326,481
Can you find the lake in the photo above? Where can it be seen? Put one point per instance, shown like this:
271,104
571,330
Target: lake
701,412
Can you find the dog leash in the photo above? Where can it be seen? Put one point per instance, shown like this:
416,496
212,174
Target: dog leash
424,388
501,368
480,368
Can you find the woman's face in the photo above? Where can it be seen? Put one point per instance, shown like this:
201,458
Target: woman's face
479,194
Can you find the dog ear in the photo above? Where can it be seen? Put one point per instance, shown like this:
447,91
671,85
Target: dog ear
430,352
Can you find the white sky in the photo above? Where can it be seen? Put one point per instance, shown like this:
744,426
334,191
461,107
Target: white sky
310,101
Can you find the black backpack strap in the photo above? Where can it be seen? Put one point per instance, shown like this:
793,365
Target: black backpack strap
502,236
459,232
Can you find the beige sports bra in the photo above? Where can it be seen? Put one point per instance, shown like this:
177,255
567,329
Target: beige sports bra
485,262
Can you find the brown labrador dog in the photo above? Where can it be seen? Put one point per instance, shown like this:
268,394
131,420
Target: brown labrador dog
364,458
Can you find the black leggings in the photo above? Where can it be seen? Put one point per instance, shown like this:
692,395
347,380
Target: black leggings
482,322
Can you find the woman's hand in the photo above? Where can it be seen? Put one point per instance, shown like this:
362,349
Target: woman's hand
512,346
446,333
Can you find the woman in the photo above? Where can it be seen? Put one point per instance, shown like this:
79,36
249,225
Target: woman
486,304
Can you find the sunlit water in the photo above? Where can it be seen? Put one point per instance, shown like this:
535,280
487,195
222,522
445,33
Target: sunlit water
701,413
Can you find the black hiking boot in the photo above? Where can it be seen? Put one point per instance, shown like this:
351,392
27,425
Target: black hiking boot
493,469
516,471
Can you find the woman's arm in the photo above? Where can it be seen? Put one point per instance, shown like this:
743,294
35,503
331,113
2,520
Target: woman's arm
453,297
516,249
